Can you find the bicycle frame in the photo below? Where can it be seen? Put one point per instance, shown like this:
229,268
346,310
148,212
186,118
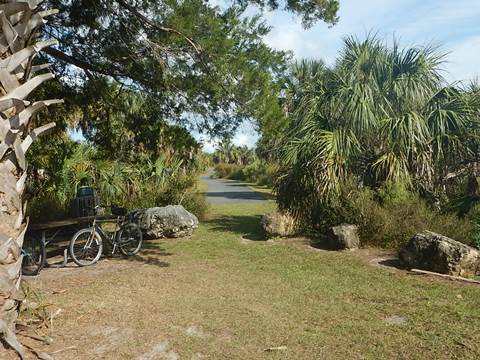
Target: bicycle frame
112,239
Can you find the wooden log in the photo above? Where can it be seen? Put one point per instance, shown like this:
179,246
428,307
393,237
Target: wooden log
445,276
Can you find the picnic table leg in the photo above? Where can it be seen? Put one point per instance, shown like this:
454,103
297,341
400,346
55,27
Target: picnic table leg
65,254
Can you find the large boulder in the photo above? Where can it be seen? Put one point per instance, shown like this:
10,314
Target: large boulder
344,237
170,221
438,253
278,224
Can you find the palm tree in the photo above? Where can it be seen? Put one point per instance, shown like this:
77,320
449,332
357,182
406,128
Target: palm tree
381,114
18,78
223,154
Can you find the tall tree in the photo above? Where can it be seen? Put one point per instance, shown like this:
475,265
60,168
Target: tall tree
197,64
18,78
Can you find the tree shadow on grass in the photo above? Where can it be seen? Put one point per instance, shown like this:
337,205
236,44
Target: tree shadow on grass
246,225
150,254
237,195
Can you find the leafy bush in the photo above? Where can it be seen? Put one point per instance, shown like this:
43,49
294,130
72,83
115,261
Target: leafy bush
167,180
230,171
387,217
258,172
180,190
47,207
195,203
261,173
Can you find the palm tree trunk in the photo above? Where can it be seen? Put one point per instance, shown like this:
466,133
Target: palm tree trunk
18,78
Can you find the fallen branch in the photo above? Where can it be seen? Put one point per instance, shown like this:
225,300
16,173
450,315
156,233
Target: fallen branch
39,354
450,277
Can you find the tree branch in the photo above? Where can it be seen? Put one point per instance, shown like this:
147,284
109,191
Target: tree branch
87,67
156,26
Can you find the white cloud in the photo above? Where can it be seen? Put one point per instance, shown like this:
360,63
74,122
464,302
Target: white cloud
453,25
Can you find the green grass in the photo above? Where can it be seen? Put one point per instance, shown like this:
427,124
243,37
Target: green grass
201,187
328,304
263,189
249,296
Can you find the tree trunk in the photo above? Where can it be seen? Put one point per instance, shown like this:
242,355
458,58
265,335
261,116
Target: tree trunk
18,78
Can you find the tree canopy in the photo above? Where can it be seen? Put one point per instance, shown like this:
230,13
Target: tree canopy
198,64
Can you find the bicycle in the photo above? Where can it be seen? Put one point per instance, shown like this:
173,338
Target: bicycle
86,246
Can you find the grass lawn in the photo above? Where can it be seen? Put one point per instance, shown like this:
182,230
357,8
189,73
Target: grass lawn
213,296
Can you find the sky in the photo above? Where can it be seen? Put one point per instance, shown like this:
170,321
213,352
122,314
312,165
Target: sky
454,26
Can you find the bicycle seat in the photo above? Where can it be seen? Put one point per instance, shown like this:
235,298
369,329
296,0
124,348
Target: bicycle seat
119,211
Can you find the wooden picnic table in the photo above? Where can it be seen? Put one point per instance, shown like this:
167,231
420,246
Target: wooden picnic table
67,222
49,231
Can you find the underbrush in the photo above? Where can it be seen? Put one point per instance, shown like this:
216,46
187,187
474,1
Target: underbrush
230,171
181,190
49,207
387,217
257,172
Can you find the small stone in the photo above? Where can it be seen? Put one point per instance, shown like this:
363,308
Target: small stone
459,296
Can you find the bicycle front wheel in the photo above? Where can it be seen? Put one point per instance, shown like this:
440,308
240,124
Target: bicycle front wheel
86,247
34,254
130,239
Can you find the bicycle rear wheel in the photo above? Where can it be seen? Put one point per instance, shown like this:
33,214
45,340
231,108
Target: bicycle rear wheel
130,239
86,247
34,254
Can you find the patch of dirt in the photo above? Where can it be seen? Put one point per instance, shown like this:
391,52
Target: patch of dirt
256,238
104,266
387,262
111,338
196,331
395,320
159,351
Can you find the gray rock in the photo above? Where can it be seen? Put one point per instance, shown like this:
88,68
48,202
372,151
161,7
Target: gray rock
344,237
278,224
438,253
171,221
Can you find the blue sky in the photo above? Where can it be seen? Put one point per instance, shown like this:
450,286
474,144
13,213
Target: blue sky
454,26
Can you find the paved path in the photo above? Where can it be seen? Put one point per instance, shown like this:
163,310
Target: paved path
230,192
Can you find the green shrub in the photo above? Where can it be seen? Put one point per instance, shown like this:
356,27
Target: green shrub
195,203
257,172
261,173
230,171
389,217
180,190
47,208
